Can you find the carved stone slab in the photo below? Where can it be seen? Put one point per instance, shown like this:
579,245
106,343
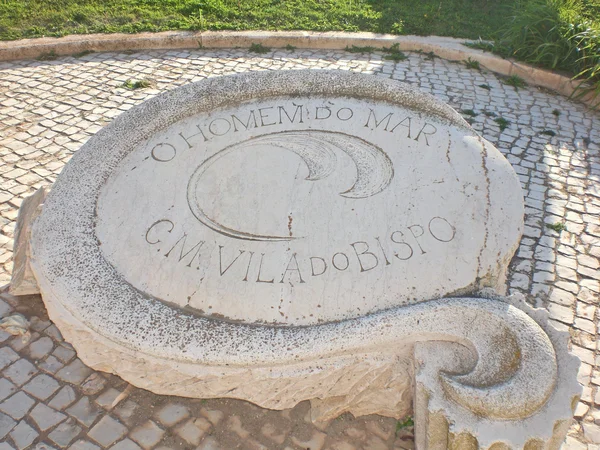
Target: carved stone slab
267,201
283,236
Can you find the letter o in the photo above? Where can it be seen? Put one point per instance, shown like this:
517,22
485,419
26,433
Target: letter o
160,157
441,229
335,265
345,109
214,132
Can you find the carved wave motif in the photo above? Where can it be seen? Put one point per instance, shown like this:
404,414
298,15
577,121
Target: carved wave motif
374,169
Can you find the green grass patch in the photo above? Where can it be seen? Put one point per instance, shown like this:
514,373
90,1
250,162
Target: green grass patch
558,226
357,49
480,44
515,81
394,53
50,56
402,424
137,84
467,19
82,53
468,112
259,48
557,34
502,123
472,64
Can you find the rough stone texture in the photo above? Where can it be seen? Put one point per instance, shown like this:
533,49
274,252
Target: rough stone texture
23,280
559,175
542,421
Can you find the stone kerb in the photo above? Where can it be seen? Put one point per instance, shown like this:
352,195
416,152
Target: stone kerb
444,47
163,260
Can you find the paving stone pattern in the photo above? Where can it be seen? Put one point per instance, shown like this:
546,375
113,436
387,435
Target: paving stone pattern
50,400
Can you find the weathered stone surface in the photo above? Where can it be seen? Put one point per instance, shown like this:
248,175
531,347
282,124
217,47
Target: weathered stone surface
378,188
23,280
532,408
140,246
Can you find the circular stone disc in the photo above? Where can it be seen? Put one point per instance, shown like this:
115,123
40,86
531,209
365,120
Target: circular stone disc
289,198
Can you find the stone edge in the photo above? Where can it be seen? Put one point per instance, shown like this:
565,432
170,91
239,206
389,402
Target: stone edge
447,48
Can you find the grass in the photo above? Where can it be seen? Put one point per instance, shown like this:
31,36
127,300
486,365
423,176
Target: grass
480,44
562,35
400,425
472,64
259,48
50,56
558,226
467,19
357,49
394,53
516,81
83,53
136,84
558,34
502,123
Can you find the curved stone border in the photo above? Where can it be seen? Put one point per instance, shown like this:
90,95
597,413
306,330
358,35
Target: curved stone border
448,48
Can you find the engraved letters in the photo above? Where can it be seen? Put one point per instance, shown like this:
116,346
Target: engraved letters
228,260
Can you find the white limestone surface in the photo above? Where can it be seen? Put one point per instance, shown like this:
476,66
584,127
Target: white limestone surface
308,207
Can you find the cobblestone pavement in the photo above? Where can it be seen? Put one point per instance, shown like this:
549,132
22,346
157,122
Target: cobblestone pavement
50,400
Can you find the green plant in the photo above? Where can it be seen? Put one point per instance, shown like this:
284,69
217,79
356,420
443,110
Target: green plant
472,64
502,123
82,53
394,53
137,84
556,112
406,423
468,112
290,48
487,87
548,133
355,49
558,34
49,56
430,56
515,81
480,44
259,48
557,226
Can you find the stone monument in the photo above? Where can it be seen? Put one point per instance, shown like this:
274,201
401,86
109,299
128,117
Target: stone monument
284,236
